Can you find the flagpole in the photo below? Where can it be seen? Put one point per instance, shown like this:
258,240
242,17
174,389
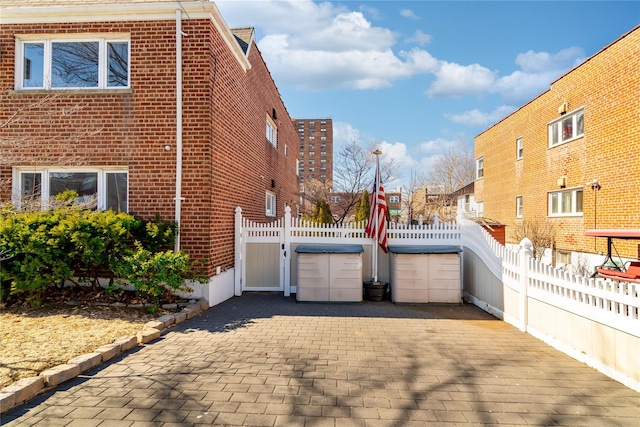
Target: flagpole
377,153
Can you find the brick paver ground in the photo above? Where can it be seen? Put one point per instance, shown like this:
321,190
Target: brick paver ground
265,360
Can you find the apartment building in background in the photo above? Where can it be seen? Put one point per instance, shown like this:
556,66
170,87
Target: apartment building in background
316,149
570,157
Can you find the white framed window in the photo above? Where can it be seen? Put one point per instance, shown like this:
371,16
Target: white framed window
270,204
323,161
312,169
335,199
312,161
567,128
271,132
312,153
518,206
323,138
323,153
519,149
480,209
479,167
99,188
467,203
312,123
566,202
323,122
394,199
58,62
312,138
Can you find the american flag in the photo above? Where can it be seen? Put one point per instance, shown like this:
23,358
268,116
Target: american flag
377,223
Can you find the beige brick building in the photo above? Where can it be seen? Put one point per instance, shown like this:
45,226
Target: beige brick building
571,156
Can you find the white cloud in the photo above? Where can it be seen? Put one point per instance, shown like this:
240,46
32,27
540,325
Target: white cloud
320,46
454,80
542,62
408,13
419,37
476,117
344,133
436,146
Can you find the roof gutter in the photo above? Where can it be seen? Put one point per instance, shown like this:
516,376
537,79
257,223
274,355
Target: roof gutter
178,198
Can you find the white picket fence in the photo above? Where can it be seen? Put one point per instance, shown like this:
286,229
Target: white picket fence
594,320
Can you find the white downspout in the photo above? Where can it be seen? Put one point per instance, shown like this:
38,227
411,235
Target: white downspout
178,199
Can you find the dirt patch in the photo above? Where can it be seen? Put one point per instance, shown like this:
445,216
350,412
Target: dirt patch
35,339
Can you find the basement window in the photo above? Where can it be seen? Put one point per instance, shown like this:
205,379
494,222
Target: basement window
101,189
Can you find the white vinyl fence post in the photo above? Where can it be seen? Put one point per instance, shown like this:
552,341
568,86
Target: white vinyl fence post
286,248
525,255
239,256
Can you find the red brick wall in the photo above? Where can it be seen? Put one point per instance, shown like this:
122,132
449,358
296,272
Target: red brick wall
225,150
606,86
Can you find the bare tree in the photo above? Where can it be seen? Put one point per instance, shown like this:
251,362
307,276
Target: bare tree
353,170
21,146
454,169
542,234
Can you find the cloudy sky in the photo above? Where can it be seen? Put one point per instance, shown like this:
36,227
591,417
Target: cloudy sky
418,76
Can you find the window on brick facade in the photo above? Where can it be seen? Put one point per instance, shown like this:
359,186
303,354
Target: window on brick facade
312,153
566,202
101,189
519,207
335,199
270,204
272,132
569,127
519,149
323,153
50,63
312,123
311,161
323,122
480,209
394,199
479,167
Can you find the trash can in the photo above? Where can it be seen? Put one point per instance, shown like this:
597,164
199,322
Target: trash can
425,274
329,273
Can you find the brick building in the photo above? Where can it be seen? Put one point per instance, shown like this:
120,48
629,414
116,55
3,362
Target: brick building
316,149
153,107
570,156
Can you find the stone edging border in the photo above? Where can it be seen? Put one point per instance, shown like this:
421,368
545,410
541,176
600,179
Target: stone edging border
22,390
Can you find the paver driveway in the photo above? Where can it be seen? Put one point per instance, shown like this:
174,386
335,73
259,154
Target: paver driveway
265,360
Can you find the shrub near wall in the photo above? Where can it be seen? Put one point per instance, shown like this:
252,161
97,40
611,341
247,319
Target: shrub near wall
41,249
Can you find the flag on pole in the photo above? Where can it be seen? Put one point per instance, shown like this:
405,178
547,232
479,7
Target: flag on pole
377,224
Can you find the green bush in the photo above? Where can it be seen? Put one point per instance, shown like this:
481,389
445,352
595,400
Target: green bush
40,249
154,273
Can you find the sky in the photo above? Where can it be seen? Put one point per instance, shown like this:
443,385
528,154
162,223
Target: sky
418,77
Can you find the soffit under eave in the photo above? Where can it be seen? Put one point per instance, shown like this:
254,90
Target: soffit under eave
126,12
